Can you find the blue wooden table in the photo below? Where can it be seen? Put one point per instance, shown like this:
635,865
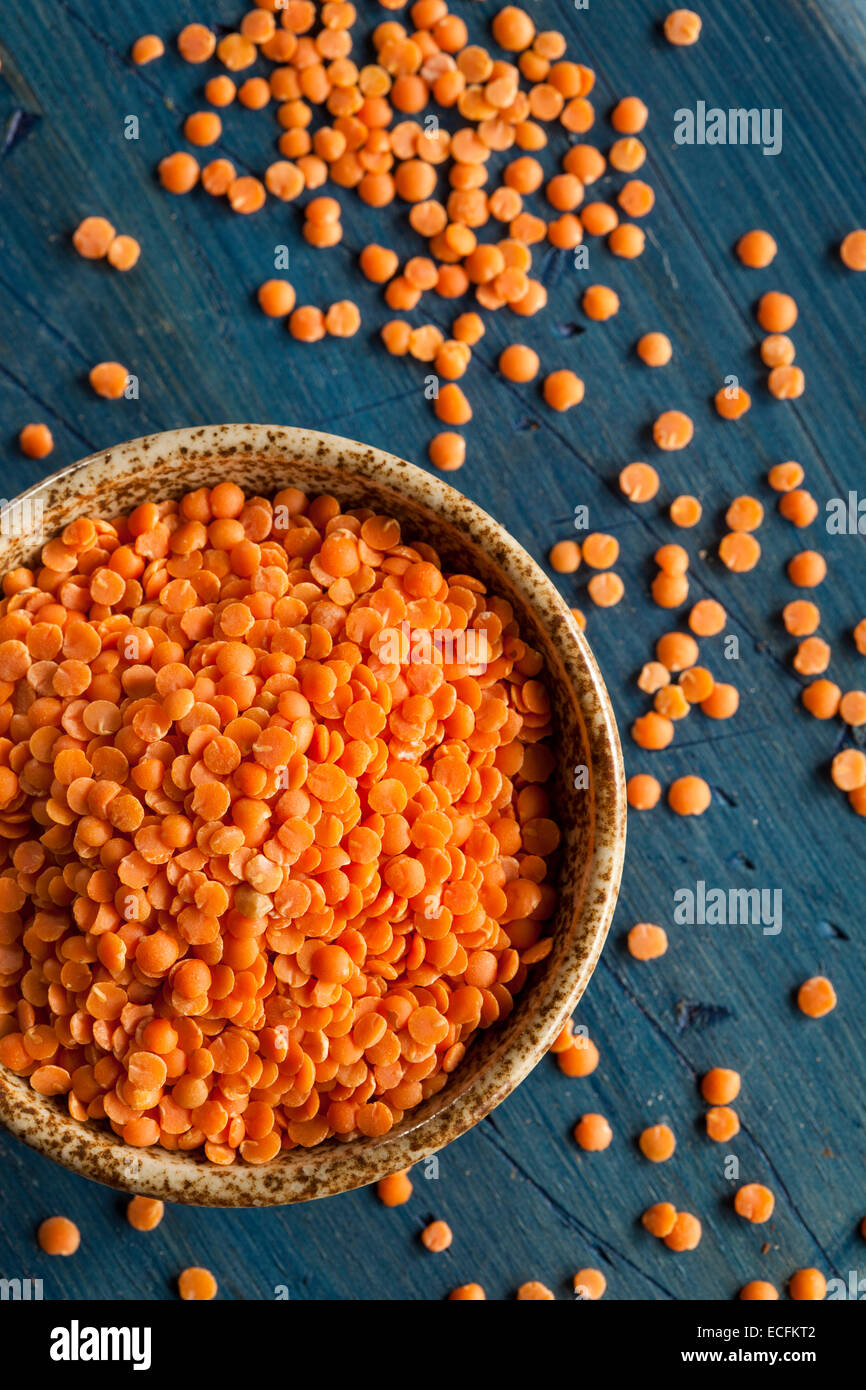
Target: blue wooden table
523,1201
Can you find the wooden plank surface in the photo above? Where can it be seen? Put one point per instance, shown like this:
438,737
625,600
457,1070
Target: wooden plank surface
522,1200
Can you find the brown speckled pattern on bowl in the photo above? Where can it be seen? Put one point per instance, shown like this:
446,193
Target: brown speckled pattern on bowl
263,458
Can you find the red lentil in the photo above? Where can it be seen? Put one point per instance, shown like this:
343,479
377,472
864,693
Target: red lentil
92,238
812,656
816,997
685,1233
654,349
798,506
36,441
853,250
848,770
196,43
756,249
606,590
682,27
653,676
754,1202
659,1219
643,791
629,116
518,363
739,551
722,703
276,298
852,707
758,1290
639,482
59,1236
437,1237
564,557
447,450
786,383
394,1190
677,651
822,698
689,796
657,1143
782,477
145,1213
123,253
777,350
534,1292
196,1285
146,48
593,1133
589,1284
673,430
179,172
647,942
776,312
580,1058
685,510
744,514
109,379
652,731
563,389
807,569
600,302
722,1123
720,1086
807,1285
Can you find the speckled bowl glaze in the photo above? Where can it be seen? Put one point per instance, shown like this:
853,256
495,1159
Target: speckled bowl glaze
262,459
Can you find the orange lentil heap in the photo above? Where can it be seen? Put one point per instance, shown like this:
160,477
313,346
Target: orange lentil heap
268,863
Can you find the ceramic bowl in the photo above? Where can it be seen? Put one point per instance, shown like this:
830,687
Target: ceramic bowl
262,459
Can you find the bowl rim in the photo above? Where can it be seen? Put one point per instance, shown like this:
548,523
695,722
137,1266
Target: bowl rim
184,1178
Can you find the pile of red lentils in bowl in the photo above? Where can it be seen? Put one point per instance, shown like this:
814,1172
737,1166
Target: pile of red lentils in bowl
275,837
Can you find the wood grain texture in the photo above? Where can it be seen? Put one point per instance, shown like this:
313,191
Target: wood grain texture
522,1200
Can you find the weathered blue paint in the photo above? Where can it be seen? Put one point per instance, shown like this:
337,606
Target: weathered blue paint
522,1200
